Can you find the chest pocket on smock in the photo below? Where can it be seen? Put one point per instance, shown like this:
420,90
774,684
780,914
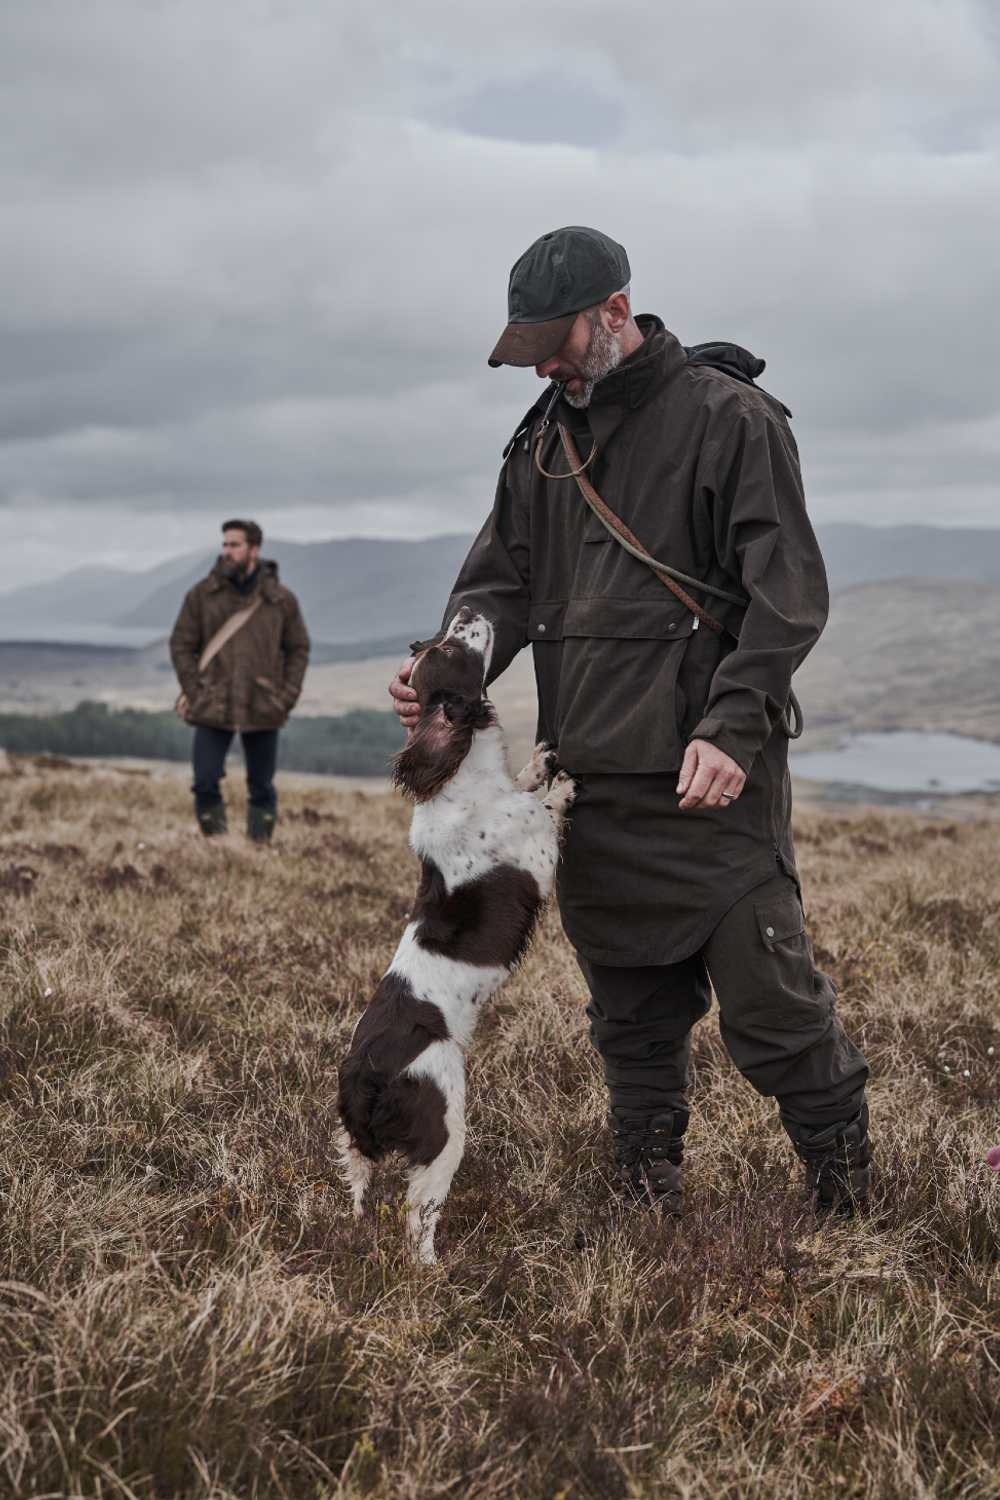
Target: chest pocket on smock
607,677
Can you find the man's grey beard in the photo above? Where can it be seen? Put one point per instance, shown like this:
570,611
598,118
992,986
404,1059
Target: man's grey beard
604,353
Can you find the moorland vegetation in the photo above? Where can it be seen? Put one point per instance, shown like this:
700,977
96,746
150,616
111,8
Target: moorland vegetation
188,1309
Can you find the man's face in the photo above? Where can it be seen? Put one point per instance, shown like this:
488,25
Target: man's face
568,361
238,557
588,353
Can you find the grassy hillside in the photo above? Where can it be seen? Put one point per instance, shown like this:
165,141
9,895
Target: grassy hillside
187,1309
907,655
904,655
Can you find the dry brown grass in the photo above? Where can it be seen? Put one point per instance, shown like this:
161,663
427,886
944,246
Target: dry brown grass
187,1308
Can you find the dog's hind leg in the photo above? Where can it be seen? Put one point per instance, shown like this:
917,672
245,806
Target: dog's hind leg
427,1191
538,771
441,1064
356,1169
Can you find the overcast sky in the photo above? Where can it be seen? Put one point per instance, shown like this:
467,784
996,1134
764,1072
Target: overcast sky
255,252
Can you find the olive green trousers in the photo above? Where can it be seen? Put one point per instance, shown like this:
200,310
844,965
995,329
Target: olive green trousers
777,1016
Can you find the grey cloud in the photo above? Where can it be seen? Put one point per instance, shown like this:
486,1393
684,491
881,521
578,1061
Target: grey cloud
260,250
541,108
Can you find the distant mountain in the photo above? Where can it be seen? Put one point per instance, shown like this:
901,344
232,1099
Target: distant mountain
85,596
865,554
358,589
349,589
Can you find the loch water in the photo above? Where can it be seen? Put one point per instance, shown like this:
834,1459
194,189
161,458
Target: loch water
921,763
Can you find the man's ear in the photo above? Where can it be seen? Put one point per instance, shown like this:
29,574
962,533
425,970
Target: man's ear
617,310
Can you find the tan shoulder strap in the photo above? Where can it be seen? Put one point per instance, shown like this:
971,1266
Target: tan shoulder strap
226,632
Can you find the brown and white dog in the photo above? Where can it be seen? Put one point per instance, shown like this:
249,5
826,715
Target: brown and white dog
488,854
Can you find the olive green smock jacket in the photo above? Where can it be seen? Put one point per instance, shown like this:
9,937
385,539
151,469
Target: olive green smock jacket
705,472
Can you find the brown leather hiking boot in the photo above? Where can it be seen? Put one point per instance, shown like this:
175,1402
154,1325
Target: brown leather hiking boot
648,1151
838,1163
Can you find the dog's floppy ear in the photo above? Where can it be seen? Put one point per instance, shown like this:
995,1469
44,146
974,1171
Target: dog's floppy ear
430,757
477,713
438,746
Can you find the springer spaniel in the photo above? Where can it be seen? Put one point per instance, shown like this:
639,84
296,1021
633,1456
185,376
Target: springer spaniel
488,854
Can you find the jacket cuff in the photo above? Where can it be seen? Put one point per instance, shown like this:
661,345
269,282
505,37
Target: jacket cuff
716,731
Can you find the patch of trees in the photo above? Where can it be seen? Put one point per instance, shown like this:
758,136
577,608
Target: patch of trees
359,743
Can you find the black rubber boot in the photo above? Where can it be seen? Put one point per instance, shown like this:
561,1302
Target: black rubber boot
838,1163
648,1152
212,820
260,823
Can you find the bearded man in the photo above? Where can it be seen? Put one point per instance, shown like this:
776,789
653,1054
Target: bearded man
678,871
240,650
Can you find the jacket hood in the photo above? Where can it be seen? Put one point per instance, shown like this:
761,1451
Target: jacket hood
266,567
733,360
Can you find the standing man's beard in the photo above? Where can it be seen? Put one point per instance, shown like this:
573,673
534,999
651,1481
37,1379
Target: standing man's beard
604,353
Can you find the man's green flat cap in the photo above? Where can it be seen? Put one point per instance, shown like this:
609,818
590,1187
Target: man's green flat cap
556,278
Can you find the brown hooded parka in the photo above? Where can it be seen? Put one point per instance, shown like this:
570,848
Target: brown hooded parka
255,680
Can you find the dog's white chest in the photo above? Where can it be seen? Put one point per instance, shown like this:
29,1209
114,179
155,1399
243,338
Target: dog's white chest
482,820
467,838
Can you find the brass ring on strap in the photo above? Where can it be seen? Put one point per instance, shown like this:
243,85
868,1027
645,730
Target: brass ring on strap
570,473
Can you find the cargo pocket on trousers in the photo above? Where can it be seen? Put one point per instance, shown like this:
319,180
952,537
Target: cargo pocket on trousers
780,921
808,996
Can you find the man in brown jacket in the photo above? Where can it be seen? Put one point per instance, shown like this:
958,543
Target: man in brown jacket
678,870
239,649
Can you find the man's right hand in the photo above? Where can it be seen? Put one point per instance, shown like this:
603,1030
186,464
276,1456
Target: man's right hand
404,698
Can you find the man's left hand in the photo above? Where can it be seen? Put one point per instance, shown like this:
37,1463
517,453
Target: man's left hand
709,777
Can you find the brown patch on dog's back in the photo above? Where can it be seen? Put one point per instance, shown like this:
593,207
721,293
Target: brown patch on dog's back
487,921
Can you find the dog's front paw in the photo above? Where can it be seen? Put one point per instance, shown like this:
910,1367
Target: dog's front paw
538,771
561,794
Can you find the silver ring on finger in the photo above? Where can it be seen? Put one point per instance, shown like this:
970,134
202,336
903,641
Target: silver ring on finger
728,796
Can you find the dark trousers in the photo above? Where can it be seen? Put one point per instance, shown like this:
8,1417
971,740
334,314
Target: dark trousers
208,754
777,1016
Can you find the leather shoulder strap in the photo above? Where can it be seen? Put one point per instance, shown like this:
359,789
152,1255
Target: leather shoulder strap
791,721
629,541
226,631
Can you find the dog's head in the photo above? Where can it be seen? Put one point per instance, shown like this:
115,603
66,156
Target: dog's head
448,677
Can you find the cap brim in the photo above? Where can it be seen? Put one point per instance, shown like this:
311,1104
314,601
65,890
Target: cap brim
531,343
